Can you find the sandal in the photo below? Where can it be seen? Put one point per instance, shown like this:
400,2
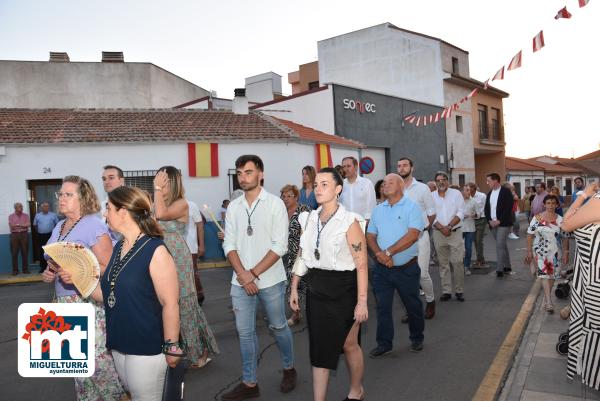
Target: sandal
549,308
294,319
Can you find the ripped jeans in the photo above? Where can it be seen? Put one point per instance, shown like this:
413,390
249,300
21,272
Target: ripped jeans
244,307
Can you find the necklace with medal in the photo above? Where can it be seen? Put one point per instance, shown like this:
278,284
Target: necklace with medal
118,266
60,236
249,229
320,229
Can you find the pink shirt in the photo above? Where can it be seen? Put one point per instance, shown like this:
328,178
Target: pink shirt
537,205
15,219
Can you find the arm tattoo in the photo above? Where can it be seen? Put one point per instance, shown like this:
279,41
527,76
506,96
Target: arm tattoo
357,247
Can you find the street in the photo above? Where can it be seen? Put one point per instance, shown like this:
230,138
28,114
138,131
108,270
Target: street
460,343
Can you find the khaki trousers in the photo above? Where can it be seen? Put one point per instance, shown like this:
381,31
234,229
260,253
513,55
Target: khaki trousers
450,250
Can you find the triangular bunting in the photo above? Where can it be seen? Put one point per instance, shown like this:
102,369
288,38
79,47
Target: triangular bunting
516,61
538,41
499,75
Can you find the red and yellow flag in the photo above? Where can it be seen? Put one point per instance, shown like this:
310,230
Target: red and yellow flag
203,159
323,156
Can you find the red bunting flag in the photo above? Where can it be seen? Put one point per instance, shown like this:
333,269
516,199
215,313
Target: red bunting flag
430,118
583,3
418,121
486,84
412,119
516,61
473,92
424,121
437,117
538,41
563,13
499,75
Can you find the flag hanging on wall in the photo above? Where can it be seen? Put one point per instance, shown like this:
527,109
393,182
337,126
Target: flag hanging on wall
323,156
203,159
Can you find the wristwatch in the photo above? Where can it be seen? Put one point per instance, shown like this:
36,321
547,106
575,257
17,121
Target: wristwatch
387,253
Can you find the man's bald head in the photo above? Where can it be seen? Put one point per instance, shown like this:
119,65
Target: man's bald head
393,187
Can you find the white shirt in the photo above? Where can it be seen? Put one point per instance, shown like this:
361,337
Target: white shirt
191,233
494,203
470,210
269,223
480,200
449,206
421,195
334,252
359,197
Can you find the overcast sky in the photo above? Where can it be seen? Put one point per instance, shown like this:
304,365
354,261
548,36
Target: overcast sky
217,44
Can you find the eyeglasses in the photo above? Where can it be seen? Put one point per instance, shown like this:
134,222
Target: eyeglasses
442,180
68,195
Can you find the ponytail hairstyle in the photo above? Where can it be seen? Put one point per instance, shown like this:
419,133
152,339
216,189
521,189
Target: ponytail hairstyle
137,203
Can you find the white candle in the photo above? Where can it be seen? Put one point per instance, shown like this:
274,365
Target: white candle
212,216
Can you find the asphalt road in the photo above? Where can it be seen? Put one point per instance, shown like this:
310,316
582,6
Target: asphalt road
460,343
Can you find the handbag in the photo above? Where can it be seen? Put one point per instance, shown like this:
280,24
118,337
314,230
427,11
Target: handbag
174,383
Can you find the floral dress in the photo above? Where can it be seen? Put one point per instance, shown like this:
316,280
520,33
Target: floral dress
295,231
547,248
194,327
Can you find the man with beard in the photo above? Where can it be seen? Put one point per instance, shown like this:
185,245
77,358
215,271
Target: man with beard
448,238
498,213
112,178
256,236
421,195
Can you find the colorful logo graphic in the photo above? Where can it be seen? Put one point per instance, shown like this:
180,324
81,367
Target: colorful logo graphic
56,340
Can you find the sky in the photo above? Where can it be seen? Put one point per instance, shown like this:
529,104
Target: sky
216,45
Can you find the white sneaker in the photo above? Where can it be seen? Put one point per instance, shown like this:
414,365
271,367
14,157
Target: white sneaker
513,236
467,272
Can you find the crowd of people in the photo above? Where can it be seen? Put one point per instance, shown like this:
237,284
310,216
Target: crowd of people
311,250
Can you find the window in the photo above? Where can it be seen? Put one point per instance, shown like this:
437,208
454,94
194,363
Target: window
517,186
454,65
143,179
528,182
459,124
483,119
313,85
549,184
461,180
496,134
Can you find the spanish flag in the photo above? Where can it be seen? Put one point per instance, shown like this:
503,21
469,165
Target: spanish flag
203,159
323,156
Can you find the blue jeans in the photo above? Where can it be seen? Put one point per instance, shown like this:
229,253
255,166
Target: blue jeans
244,307
406,282
469,238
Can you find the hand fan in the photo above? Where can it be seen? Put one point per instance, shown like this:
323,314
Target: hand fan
79,261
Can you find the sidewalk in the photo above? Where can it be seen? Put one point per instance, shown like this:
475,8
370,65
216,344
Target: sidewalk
539,372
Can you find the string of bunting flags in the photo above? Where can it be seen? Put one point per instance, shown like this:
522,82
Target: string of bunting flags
516,62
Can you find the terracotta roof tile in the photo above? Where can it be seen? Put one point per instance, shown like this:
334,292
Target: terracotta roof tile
513,163
313,135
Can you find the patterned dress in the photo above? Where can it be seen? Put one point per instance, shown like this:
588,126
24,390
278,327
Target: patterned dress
547,248
194,328
584,323
295,231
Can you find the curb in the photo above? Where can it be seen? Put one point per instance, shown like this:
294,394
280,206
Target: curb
490,386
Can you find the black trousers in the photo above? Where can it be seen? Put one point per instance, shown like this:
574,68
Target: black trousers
42,240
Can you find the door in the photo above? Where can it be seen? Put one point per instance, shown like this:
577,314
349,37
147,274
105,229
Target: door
41,191
568,187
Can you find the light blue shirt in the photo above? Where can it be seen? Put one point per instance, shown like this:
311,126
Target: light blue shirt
45,222
309,201
390,223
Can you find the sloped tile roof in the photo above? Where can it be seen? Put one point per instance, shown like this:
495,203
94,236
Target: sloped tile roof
48,126
316,136
513,163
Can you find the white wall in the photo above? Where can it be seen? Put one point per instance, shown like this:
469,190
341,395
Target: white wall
39,84
314,110
283,165
260,88
385,60
461,142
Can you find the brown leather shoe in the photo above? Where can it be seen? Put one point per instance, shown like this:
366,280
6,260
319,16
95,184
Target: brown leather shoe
430,310
241,392
288,383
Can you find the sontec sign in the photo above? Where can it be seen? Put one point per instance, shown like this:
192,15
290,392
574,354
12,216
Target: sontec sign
361,107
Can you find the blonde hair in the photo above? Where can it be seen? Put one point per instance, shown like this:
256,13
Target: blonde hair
88,200
291,188
311,172
176,190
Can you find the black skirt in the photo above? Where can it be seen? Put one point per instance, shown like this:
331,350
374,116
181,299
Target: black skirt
330,302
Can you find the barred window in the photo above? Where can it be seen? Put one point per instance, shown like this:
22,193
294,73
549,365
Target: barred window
143,179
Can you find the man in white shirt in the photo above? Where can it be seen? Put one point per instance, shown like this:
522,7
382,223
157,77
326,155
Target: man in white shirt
256,236
358,195
447,237
194,238
112,178
419,193
480,224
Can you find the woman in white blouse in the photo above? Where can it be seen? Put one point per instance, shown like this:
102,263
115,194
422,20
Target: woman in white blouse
334,257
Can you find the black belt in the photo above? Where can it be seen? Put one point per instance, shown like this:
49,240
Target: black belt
407,264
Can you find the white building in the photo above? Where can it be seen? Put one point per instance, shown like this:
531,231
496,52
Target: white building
39,147
409,65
